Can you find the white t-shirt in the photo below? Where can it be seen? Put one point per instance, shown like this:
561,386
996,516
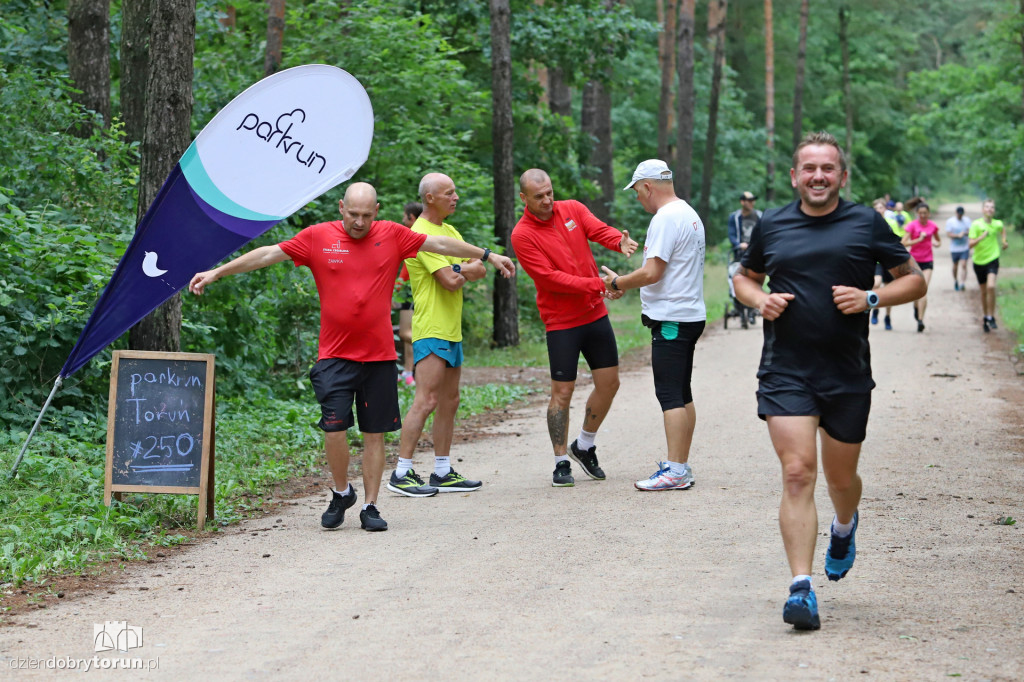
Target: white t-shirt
676,236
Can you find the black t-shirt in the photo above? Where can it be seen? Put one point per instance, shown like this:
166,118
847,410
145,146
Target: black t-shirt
806,256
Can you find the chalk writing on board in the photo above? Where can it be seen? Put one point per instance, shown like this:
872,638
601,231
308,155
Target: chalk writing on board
158,427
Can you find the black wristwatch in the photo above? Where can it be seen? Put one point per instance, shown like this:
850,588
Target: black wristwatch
872,298
615,284
487,254
457,268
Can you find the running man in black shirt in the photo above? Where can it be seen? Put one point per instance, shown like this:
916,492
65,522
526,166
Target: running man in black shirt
815,374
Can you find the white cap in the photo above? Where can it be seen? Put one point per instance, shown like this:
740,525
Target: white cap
651,169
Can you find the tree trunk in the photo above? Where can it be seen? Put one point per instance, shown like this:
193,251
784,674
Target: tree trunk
596,121
844,43
667,63
89,57
134,66
716,87
798,86
769,99
275,36
167,135
685,99
559,95
506,304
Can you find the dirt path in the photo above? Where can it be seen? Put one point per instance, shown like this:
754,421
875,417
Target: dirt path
524,581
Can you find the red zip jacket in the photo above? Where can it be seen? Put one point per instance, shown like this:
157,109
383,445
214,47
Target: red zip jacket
556,255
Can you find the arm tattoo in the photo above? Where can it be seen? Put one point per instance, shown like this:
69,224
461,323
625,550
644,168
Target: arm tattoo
558,426
907,268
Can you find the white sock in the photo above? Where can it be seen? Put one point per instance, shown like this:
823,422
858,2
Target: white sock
561,458
677,468
585,440
403,466
442,465
369,504
798,578
343,492
841,529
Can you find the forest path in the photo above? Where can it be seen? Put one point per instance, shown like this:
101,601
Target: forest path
524,581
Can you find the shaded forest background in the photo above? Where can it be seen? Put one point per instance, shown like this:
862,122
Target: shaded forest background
929,96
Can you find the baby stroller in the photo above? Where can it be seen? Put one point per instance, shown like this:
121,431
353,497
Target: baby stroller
733,308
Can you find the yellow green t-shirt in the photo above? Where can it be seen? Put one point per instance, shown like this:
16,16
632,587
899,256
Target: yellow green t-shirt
437,312
896,228
987,250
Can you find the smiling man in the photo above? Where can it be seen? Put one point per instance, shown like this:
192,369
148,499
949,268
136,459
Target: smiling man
353,261
815,373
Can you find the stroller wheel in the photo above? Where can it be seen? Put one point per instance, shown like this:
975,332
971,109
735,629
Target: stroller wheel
743,318
725,317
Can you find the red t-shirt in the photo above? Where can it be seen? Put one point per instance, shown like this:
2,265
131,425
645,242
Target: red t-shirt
556,254
354,278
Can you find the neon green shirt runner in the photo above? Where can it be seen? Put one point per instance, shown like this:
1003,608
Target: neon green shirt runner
437,312
987,250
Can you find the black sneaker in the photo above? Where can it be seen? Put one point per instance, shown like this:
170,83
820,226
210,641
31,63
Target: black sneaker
453,482
410,485
335,513
920,326
992,323
370,519
985,325
562,477
587,460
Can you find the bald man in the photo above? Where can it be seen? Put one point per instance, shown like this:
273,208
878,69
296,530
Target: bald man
437,283
353,261
552,242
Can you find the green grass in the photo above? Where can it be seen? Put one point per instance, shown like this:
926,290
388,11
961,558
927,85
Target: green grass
1010,288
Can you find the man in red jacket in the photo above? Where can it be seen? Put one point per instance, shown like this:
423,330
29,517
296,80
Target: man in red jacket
552,242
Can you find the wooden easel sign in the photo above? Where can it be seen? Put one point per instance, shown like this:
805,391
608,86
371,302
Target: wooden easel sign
160,426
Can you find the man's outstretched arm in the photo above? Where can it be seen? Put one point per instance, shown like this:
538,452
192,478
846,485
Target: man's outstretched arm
254,260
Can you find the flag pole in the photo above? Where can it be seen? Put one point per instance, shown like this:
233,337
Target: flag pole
17,462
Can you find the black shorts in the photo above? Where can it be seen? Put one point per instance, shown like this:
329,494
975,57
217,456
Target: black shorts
844,416
595,340
371,385
672,345
883,273
982,271
929,265
405,305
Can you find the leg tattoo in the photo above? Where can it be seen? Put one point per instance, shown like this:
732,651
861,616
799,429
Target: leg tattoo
558,426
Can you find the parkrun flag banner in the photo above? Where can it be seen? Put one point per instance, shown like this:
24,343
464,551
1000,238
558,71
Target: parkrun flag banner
277,146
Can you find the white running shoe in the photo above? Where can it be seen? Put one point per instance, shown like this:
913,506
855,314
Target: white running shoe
664,479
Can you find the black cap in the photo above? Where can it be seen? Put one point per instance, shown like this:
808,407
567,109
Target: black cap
959,209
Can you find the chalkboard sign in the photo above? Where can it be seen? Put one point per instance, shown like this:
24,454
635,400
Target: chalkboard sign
160,425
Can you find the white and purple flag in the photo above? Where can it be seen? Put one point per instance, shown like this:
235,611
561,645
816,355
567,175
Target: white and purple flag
277,146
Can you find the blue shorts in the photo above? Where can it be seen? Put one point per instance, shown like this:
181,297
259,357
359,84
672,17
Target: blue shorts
449,351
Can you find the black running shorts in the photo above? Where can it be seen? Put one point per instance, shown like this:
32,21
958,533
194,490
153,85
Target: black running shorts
981,271
595,340
371,385
672,345
844,416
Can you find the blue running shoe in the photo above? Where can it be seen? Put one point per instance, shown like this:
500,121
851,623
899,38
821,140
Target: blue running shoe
841,553
801,609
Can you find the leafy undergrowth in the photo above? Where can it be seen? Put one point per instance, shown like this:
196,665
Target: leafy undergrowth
52,517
